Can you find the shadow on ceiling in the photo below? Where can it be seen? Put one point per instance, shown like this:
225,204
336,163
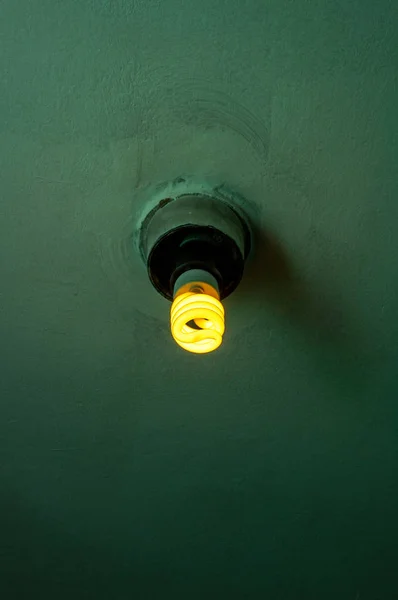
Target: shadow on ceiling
337,344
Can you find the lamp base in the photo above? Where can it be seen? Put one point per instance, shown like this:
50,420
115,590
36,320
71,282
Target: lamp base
194,231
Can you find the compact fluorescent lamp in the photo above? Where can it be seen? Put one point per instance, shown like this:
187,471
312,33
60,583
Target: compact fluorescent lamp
195,247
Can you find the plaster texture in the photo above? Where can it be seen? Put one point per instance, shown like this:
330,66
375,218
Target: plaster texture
128,468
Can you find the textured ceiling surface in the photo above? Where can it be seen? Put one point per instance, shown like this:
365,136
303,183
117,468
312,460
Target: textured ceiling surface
128,468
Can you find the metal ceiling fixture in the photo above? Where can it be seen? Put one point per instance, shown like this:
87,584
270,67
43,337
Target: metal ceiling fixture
195,246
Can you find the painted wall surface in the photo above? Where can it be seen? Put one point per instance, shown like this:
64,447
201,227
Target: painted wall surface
129,469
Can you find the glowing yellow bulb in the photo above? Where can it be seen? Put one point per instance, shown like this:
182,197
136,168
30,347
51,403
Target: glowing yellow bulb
198,303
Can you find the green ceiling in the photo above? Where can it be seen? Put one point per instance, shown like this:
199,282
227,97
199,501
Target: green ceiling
128,468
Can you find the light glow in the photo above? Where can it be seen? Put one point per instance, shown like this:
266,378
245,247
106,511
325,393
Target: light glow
199,303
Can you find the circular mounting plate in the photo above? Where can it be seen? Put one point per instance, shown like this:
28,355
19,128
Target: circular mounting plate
194,231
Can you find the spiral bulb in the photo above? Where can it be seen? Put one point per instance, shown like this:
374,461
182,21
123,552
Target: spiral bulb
197,318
